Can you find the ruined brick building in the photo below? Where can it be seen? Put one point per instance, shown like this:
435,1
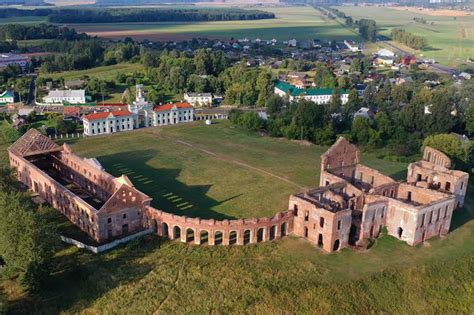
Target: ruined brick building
352,204
103,206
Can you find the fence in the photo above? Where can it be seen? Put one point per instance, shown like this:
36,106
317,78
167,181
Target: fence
104,247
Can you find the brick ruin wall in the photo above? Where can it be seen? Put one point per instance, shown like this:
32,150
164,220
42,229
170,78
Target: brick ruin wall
219,232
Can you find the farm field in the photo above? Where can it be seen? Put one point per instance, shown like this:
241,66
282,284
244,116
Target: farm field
451,39
301,23
152,275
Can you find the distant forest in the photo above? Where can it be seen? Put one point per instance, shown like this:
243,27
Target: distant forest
127,15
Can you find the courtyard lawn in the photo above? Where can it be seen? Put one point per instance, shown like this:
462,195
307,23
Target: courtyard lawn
223,171
450,39
216,171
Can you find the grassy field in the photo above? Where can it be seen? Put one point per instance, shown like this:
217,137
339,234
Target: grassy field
286,276
451,39
104,73
302,23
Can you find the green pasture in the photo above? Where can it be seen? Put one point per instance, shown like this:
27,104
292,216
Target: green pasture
450,39
194,165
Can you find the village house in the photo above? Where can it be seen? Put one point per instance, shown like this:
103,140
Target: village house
65,96
198,99
352,46
171,114
385,57
103,206
102,123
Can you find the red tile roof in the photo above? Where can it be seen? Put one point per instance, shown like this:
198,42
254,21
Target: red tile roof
170,106
103,115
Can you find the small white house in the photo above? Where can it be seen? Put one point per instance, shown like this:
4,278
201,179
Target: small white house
199,99
352,46
385,57
65,96
171,114
292,43
107,122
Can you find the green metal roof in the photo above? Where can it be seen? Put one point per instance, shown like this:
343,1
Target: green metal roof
285,86
7,94
294,91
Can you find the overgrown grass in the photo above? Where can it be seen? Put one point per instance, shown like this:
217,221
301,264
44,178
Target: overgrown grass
151,275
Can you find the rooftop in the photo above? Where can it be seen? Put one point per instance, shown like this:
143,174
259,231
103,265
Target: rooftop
171,106
104,115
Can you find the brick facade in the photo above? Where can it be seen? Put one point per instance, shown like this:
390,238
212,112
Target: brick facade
355,201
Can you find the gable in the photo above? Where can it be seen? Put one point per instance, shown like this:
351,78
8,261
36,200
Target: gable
33,142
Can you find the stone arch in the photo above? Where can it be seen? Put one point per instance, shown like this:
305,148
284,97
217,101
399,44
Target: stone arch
218,238
203,237
284,229
233,236
164,230
260,235
336,246
176,232
190,235
247,237
272,232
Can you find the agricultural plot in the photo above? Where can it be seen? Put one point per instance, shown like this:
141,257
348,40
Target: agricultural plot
301,23
197,163
450,38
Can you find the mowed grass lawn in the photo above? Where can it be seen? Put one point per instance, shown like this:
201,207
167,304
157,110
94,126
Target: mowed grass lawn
196,162
299,22
450,39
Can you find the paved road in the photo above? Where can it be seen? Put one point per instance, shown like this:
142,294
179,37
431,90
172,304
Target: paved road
32,93
441,68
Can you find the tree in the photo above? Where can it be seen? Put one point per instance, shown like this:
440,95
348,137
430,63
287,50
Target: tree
27,239
264,87
353,103
275,104
470,119
335,104
440,120
361,130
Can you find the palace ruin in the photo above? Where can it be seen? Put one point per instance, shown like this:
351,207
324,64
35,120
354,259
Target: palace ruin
353,203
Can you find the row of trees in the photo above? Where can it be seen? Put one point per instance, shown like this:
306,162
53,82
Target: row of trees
127,15
39,31
409,39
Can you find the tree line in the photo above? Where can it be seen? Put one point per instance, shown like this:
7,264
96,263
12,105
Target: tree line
409,39
14,32
126,15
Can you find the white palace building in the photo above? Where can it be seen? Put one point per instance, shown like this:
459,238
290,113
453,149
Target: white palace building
107,122
139,114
